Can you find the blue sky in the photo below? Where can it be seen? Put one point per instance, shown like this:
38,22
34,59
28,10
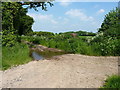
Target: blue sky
71,16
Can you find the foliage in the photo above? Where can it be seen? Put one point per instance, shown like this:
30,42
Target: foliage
16,25
15,22
112,82
14,18
107,40
80,33
110,20
16,55
106,46
64,42
42,33
34,5
9,38
84,33
25,25
89,45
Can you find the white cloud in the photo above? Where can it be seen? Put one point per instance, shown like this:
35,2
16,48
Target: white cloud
101,11
79,14
45,18
75,19
65,2
40,16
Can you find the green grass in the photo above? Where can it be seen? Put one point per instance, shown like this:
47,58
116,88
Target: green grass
100,46
67,43
112,82
12,56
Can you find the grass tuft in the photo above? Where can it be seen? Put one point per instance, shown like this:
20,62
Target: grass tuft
112,82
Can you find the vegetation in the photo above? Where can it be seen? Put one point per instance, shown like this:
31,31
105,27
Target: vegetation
111,23
41,33
64,41
16,22
17,25
11,56
107,40
112,82
80,33
107,46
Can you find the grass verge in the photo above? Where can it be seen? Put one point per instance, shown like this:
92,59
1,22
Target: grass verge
16,55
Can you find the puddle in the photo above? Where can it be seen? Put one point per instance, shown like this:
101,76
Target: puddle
37,56
41,55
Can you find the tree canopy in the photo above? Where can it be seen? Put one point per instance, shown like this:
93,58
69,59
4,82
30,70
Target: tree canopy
111,23
15,20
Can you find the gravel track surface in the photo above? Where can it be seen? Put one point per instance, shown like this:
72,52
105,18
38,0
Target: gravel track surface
65,71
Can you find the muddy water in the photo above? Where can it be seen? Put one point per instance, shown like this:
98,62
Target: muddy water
41,55
37,56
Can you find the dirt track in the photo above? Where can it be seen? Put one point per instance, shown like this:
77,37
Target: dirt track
66,71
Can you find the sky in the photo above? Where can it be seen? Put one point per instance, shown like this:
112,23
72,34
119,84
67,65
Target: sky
71,16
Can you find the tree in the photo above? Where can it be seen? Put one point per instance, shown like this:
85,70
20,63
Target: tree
111,23
15,12
34,5
15,21
107,40
25,25
12,17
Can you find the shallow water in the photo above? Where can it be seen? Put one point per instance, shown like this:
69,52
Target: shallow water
37,56
41,55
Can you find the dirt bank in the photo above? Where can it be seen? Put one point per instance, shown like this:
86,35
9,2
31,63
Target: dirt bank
66,71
